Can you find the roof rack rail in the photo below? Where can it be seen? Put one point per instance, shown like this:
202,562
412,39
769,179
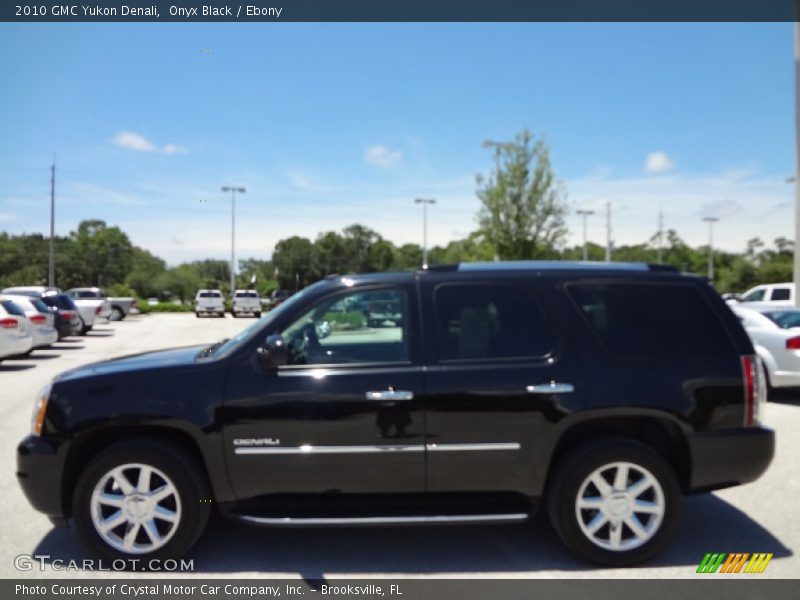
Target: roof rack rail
662,267
439,267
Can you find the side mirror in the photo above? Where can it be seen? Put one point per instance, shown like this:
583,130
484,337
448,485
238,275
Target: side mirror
273,353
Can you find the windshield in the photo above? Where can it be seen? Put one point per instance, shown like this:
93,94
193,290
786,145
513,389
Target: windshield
785,319
248,333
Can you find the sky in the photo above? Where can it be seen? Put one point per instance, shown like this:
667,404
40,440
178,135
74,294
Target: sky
331,124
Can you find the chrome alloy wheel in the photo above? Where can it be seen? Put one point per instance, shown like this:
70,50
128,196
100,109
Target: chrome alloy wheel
620,506
135,508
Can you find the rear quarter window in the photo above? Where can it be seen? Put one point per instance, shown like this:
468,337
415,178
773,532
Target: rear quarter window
652,321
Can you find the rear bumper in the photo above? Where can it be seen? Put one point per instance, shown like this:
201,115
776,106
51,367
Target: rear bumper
40,467
16,346
722,459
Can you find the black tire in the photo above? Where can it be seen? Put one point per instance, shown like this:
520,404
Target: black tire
257,315
117,314
234,315
571,472
175,463
85,329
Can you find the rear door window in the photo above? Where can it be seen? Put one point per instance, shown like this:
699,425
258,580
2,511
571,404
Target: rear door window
653,321
490,322
780,293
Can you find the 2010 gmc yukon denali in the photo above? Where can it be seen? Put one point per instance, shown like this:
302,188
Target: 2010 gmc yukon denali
606,391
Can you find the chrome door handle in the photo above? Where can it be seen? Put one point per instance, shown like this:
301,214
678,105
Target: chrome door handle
390,395
551,388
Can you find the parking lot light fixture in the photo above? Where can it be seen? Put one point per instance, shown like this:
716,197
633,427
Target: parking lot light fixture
233,190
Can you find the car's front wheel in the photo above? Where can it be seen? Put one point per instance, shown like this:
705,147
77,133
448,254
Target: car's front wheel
614,502
141,499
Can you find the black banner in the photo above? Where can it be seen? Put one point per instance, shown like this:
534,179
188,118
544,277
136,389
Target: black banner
398,10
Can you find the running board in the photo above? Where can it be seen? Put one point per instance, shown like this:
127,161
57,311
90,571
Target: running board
393,520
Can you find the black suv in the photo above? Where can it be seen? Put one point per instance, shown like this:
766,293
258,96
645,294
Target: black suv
605,391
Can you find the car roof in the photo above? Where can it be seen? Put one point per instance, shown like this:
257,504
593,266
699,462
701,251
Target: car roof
518,266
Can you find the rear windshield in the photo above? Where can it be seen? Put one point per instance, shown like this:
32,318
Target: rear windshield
246,295
785,319
39,305
61,301
209,295
658,320
12,308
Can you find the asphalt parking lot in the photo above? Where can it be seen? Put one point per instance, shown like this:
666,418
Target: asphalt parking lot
760,517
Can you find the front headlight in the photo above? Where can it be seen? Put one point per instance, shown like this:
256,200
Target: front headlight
39,409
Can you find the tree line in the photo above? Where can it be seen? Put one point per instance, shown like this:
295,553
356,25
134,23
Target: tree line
521,216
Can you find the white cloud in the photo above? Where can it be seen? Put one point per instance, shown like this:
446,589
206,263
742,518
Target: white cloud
721,209
658,162
174,149
138,143
382,156
4,217
133,141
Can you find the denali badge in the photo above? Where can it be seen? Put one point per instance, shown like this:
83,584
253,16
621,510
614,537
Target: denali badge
256,442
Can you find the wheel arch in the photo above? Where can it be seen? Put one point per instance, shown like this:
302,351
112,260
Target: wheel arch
662,433
84,447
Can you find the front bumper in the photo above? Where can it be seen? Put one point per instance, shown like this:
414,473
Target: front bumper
725,458
40,468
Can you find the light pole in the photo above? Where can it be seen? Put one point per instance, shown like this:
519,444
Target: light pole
710,221
425,202
584,214
51,259
796,275
233,191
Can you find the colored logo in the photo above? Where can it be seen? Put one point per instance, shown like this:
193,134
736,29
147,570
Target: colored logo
735,562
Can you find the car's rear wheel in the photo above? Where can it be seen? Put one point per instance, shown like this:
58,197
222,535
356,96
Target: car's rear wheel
614,502
257,314
141,499
117,314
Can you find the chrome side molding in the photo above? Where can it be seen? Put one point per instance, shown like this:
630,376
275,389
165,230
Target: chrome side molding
377,449
388,520
551,388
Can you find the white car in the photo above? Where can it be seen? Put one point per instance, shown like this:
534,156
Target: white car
208,302
246,302
40,318
15,334
770,294
88,309
775,332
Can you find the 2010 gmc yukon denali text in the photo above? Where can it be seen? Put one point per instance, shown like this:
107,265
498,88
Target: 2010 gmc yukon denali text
604,392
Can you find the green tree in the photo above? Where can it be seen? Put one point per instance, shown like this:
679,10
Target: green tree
294,260
101,255
522,205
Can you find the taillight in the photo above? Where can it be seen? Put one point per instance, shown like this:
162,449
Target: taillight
38,319
8,324
97,310
793,343
753,389
68,314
